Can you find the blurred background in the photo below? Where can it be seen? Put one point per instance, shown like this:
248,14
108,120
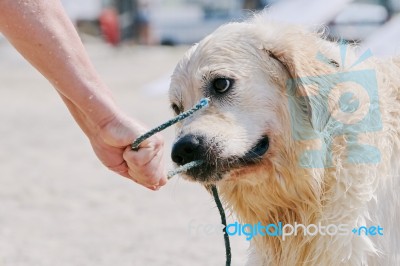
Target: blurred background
59,205
177,22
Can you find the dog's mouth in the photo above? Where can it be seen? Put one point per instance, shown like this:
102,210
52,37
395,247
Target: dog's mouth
214,168
256,152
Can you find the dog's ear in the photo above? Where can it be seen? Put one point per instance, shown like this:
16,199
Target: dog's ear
300,56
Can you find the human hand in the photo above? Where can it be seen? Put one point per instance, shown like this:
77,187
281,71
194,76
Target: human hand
112,146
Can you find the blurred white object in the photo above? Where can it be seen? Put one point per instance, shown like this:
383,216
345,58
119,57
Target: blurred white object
187,24
306,12
358,20
386,41
82,10
361,12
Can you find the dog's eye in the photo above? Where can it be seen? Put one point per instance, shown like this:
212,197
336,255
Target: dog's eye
176,109
222,85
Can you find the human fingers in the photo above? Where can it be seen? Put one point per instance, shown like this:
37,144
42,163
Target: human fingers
147,164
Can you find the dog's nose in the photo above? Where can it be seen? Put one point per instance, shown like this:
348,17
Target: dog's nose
187,149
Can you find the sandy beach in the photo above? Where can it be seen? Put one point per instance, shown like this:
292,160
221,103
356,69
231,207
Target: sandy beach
60,206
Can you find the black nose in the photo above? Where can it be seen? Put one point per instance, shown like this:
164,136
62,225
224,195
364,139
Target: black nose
188,149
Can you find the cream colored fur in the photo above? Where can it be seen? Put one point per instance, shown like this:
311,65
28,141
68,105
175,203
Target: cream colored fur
261,57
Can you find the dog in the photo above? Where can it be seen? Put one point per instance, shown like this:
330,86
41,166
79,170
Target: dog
282,147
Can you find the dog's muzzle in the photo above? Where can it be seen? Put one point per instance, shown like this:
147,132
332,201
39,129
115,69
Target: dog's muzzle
196,147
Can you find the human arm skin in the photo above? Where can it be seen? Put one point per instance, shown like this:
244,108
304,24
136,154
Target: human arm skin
41,31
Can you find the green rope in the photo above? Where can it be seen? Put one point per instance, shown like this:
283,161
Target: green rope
228,253
136,146
201,104
184,168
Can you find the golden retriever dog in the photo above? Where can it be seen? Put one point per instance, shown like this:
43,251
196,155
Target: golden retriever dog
300,132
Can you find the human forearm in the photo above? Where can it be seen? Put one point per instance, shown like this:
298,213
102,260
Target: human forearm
85,124
60,58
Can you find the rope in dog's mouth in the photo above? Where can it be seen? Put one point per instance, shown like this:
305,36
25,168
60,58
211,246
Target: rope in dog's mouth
184,168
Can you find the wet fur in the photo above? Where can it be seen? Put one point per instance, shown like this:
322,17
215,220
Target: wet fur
277,189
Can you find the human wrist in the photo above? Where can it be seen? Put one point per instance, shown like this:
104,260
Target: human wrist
96,105
93,119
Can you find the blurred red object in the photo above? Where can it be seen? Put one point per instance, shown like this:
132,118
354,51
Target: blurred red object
109,26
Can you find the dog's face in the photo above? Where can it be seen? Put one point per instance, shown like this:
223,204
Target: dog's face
247,123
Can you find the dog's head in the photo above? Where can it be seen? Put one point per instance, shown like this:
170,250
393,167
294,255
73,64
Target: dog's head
244,69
